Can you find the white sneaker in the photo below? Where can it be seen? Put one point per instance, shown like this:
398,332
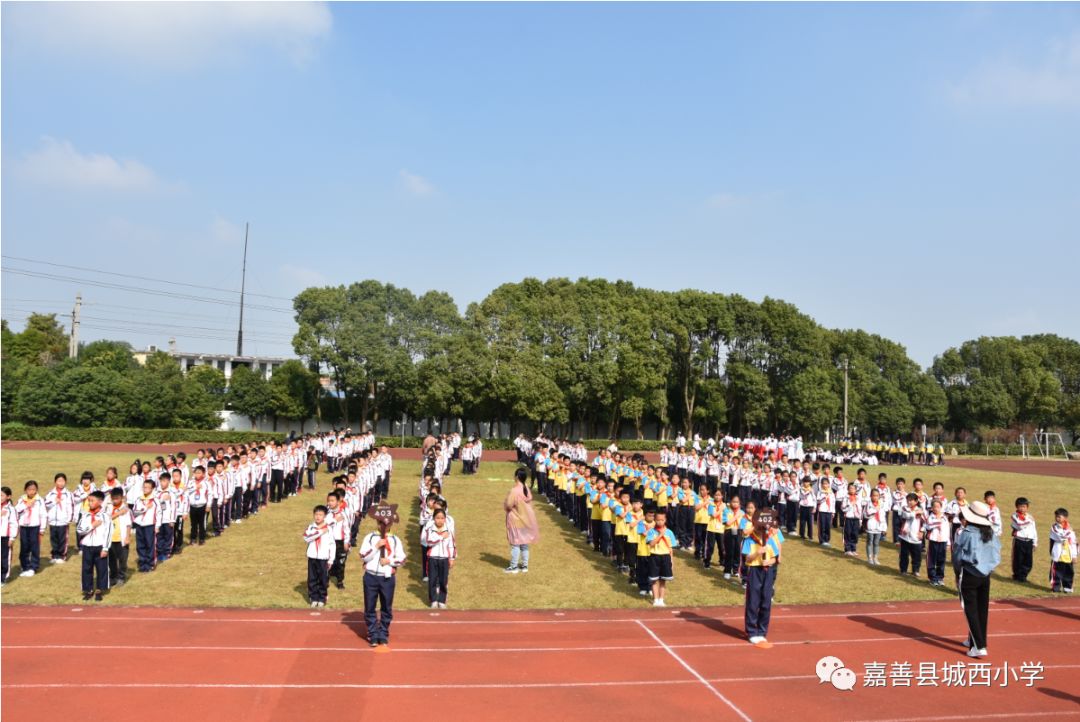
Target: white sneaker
53,561
511,570
61,561
424,579
434,605
755,640
656,602
975,652
442,605
524,570
238,521
727,576
662,603
1067,590
27,573
642,593
967,643
314,604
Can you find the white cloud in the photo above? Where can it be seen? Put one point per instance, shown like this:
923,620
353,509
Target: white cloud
725,201
416,184
58,163
303,277
1052,81
224,231
168,33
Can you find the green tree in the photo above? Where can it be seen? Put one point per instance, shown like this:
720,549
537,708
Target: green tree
37,400
42,342
293,392
90,395
888,410
156,390
210,378
115,355
749,395
808,403
249,394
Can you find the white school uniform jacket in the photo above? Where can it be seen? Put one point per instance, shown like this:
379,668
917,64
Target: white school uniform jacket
911,525
180,500
9,521
826,501
995,519
101,536
146,512
32,513
320,542
937,528
132,489
340,521
60,507
122,520
852,508
877,517
371,556
80,495
1062,542
807,498
199,493
899,501
1024,528
438,546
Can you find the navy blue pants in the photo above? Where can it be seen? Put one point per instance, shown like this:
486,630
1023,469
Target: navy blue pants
851,534
759,593
29,547
144,546
935,561
93,563
164,542
378,589
824,531
58,535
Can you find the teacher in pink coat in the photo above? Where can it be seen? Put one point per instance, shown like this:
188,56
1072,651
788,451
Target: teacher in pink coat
521,527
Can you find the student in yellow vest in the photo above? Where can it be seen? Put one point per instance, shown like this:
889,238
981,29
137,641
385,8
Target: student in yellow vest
633,516
644,553
701,521
662,543
761,548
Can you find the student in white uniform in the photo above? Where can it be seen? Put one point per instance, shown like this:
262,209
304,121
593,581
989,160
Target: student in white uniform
442,551
382,554
60,508
320,555
96,530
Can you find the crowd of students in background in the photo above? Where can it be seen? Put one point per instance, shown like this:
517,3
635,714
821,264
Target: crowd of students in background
702,502
161,506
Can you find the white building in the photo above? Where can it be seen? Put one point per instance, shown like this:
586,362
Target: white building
222,361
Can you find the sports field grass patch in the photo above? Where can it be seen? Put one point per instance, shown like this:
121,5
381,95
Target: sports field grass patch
261,563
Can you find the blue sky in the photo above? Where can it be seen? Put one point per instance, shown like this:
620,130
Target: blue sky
913,170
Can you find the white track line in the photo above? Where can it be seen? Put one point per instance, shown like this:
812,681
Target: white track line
512,650
980,716
684,617
499,685
694,672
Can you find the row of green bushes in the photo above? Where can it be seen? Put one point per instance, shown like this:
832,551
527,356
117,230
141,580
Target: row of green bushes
21,432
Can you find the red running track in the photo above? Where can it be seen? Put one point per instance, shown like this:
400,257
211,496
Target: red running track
122,664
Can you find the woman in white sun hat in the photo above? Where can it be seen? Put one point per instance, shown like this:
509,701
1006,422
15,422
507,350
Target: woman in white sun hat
976,554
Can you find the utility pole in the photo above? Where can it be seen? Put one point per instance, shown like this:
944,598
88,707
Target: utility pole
73,343
845,396
243,281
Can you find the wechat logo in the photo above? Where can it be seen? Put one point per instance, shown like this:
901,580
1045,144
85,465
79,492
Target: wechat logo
832,669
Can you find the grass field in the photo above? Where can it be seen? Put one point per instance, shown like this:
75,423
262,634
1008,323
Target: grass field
261,563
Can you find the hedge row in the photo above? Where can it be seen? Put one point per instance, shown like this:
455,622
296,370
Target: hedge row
22,432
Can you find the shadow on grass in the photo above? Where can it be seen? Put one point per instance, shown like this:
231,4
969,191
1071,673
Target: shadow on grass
887,571
499,561
619,581
913,633
1023,604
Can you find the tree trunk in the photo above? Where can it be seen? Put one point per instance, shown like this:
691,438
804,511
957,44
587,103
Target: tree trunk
254,423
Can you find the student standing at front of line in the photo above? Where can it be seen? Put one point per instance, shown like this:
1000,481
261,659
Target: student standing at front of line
95,533
32,524
761,549
382,555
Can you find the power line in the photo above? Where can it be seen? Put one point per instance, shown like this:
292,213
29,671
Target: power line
165,328
130,289
126,275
